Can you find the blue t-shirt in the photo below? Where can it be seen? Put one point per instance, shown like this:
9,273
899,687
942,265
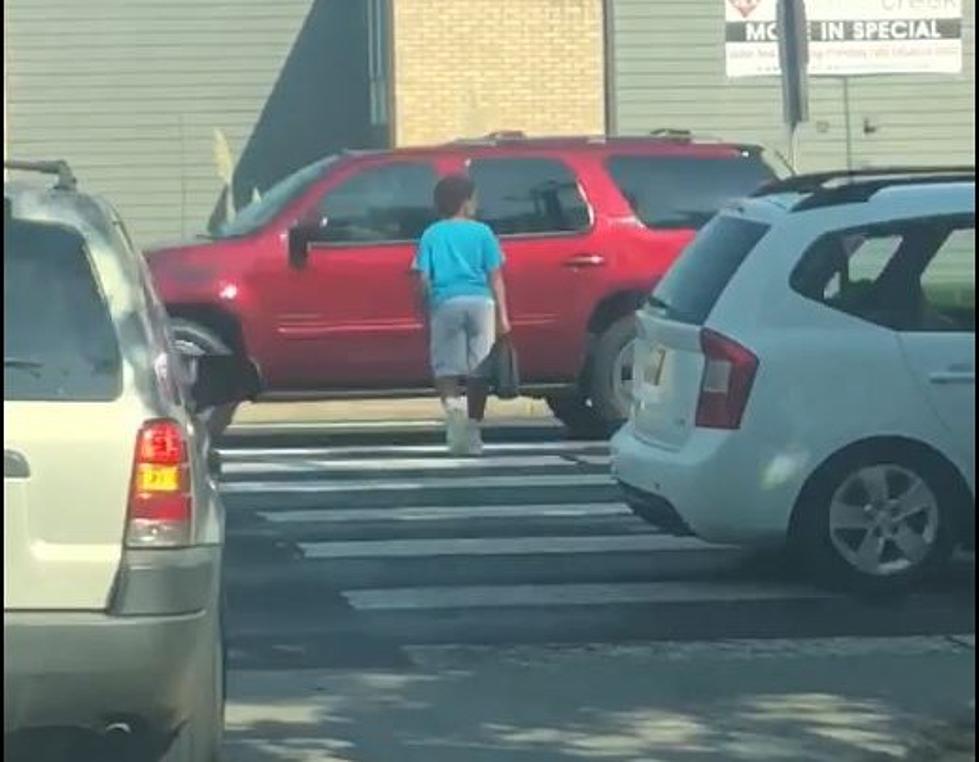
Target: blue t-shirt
457,257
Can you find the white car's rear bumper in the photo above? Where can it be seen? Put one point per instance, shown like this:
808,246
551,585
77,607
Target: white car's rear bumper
714,486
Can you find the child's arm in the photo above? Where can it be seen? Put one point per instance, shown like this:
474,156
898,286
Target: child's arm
498,285
421,269
422,295
493,261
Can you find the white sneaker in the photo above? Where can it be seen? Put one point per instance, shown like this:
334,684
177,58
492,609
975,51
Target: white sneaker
456,427
474,439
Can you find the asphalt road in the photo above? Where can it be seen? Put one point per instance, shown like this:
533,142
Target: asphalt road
388,603
344,547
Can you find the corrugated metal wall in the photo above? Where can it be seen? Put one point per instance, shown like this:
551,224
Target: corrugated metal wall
131,91
667,70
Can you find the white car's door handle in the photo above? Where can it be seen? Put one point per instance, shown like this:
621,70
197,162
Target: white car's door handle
947,377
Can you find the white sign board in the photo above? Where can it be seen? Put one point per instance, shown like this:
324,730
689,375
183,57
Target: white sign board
849,37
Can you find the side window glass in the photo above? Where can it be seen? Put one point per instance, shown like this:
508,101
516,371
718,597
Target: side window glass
911,277
868,255
528,196
387,203
863,262
684,192
949,282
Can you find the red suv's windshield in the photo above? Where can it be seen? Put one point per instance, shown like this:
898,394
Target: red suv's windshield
263,210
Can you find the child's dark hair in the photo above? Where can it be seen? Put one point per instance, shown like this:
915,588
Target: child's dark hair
451,193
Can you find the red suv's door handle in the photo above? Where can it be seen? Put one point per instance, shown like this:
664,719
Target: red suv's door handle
585,260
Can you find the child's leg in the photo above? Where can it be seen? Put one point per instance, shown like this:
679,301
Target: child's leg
448,388
481,329
477,392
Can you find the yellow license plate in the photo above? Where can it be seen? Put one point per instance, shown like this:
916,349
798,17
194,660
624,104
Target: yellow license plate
153,478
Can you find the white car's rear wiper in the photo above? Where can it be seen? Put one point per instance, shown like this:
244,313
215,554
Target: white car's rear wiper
23,363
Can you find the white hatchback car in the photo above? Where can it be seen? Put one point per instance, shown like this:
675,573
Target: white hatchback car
112,526
806,372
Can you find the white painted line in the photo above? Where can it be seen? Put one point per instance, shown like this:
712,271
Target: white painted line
594,460
448,482
265,428
248,453
395,424
499,546
441,513
312,465
407,599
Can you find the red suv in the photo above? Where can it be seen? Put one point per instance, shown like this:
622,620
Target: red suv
312,280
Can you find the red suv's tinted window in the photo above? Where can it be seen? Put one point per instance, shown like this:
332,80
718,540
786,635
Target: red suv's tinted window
384,203
528,196
685,191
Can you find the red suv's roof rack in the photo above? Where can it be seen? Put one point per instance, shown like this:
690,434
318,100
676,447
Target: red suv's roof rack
509,137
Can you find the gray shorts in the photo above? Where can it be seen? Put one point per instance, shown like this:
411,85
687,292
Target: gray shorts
463,331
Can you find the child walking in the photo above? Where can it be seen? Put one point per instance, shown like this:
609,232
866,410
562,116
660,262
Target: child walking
459,265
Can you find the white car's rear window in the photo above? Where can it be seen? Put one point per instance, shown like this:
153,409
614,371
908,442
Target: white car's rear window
59,341
691,288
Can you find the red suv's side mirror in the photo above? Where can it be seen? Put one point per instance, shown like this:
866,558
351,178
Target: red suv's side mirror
301,235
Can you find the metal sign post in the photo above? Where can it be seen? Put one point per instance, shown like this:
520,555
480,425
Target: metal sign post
793,57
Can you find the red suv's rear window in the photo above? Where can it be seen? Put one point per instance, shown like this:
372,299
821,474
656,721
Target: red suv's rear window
685,191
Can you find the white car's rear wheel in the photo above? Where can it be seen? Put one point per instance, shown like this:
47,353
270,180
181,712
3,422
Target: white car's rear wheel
883,519
877,519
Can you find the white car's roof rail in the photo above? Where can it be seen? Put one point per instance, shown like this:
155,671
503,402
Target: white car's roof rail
881,176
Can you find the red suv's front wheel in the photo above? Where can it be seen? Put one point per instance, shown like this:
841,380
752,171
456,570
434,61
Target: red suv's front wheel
193,340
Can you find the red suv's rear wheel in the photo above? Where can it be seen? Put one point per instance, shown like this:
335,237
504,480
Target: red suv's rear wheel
610,378
603,405
574,411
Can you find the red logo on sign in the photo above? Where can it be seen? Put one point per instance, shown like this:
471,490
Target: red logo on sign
745,7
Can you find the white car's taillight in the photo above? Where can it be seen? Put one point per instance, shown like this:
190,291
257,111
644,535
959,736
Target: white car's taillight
160,502
729,373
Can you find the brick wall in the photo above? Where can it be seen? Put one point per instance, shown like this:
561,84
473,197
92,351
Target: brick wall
464,68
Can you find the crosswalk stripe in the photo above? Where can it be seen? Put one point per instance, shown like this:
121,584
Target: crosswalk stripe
500,546
440,513
491,448
404,464
405,599
383,485
379,425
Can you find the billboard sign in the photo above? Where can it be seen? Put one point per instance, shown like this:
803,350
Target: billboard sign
849,37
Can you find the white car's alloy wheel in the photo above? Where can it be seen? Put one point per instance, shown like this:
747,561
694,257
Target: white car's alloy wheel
884,520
